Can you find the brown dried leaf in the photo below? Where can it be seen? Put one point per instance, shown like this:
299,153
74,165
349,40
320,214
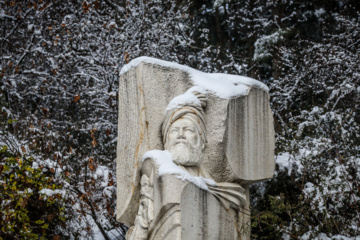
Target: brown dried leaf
111,183
127,57
93,142
50,217
76,98
92,167
96,4
24,203
85,7
109,208
45,110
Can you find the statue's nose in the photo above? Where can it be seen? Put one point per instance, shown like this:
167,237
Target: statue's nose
181,133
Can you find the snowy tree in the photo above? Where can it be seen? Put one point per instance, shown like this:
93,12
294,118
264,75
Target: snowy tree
60,64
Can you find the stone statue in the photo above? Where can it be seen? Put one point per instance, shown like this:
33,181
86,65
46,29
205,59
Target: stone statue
197,188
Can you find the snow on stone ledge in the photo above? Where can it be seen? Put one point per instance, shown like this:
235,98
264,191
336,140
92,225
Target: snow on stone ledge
222,85
167,166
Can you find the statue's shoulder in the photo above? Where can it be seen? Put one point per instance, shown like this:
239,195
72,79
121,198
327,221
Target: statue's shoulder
148,166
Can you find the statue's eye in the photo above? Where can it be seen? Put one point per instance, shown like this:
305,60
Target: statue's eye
189,129
174,130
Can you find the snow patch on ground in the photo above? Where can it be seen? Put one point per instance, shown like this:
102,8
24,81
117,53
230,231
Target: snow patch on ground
222,85
167,166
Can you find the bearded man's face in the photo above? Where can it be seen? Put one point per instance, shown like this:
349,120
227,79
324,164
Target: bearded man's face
184,143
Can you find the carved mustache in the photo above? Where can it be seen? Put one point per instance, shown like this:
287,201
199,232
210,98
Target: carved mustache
180,141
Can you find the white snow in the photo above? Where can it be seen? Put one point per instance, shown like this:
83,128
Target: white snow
222,85
167,166
35,165
49,163
187,98
285,236
103,171
113,234
50,193
28,190
319,12
3,15
283,160
322,236
108,191
112,94
30,27
263,44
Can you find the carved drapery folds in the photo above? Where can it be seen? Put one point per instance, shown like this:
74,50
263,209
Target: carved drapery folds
145,213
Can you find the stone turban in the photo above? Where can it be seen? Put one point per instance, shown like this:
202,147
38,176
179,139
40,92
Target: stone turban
191,111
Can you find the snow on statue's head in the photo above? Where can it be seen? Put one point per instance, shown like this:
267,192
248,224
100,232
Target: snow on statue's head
184,130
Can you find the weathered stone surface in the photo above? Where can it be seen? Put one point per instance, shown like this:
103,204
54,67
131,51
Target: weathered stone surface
239,149
185,211
144,93
248,141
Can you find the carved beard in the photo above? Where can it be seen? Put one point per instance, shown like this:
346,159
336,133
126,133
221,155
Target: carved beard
185,154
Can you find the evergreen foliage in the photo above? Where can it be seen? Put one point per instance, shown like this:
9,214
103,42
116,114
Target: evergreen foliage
26,212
